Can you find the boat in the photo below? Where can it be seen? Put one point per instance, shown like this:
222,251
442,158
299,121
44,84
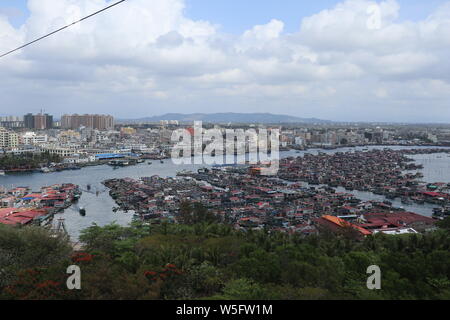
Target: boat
82,211
89,187
443,211
418,200
140,161
150,163
405,200
119,163
2,173
162,161
59,205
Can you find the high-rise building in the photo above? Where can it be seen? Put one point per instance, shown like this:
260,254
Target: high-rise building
92,121
11,122
49,121
8,139
43,121
39,121
29,121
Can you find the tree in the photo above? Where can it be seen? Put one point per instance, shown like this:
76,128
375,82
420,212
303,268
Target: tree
444,224
196,213
244,289
211,261
29,248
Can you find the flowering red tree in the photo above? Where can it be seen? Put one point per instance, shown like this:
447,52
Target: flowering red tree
32,284
169,271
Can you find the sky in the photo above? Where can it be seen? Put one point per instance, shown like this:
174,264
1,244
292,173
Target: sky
348,60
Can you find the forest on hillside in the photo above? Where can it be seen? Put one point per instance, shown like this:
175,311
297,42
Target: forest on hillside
206,260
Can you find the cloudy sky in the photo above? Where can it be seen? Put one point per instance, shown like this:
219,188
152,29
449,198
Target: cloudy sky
353,60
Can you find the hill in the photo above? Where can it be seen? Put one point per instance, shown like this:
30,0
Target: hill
229,117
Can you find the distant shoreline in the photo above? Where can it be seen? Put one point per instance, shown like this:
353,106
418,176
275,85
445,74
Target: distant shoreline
93,164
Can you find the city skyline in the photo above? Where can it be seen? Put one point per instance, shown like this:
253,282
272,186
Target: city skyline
192,61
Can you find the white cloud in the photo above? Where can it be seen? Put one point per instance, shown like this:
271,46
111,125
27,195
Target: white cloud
262,34
143,57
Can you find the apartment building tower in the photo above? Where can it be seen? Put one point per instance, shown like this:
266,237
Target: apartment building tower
8,139
39,121
92,121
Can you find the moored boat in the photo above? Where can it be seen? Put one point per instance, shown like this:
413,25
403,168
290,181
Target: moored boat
405,200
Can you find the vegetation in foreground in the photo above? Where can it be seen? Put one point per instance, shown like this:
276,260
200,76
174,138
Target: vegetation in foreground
212,261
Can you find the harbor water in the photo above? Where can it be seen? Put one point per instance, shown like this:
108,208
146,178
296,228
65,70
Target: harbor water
99,204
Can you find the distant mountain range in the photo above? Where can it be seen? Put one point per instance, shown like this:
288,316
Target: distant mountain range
227,118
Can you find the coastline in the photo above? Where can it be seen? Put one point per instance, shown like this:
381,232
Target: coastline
99,207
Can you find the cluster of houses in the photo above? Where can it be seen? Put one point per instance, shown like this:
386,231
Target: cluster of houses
249,201
385,172
21,206
371,223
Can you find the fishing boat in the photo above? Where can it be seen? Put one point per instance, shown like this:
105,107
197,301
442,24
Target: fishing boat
59,204
119,163
443,211
405,200
418,200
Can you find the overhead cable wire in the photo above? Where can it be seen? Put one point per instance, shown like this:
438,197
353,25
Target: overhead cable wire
61,29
